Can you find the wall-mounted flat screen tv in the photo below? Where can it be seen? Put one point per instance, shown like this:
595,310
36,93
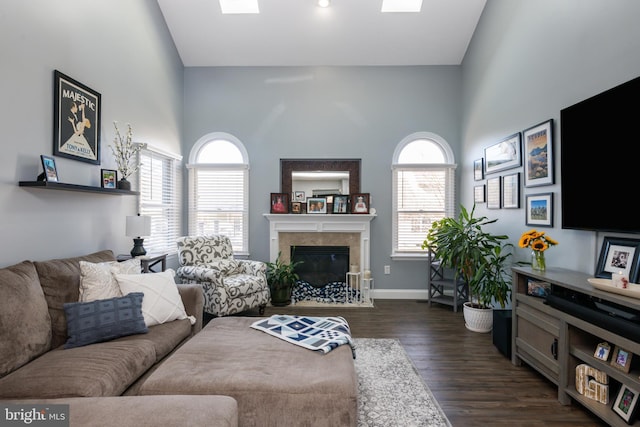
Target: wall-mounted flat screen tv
599,168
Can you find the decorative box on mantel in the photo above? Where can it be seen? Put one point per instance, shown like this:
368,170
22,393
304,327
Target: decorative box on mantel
321,230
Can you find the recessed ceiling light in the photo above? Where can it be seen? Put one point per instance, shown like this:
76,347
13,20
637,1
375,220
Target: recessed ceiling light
239,6
324,3
401,5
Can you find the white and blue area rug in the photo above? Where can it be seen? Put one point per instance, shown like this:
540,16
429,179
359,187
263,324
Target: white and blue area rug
391,392
315,333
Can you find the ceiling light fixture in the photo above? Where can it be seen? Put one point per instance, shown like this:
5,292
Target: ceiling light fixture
401,5
239,6
324,3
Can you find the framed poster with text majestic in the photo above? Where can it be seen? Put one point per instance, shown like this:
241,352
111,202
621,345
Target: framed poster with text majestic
76,122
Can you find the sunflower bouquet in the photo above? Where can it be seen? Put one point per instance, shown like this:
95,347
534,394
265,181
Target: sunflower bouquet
538,242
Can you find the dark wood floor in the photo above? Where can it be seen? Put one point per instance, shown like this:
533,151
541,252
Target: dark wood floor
473,382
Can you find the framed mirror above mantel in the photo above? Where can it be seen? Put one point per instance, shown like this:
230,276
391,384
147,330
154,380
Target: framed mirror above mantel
345,171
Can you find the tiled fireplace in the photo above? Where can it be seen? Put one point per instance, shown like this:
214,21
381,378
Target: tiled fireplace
352,230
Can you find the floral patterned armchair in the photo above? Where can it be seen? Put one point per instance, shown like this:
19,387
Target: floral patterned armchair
230,286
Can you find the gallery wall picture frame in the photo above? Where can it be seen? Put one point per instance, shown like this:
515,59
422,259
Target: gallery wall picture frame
317,205
511,191
50,171
538,154
539,210
340,204
279,203
626,403
108,178
479,194
76,124
621,359
619,254
478,169
506,154
360,203
493,193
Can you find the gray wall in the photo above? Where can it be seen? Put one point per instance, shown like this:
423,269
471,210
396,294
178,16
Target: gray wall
119,48
332,112
528,60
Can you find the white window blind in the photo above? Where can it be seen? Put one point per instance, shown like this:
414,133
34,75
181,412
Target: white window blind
218,202
423,190
160,198
423,196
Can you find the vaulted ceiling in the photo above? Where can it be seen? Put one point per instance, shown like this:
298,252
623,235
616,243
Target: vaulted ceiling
299,33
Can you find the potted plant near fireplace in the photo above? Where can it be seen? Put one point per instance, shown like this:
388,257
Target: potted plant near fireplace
281,277
478,258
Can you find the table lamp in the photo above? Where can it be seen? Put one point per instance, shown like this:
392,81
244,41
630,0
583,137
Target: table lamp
138,226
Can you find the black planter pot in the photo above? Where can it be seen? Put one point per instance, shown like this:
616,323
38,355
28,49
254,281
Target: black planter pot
502,331
281,295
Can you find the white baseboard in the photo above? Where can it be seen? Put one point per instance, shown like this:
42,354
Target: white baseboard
400,294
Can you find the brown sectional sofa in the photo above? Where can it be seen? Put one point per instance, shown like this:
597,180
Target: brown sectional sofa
225,374
35,367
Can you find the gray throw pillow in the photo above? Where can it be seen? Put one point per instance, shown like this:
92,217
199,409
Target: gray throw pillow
104,320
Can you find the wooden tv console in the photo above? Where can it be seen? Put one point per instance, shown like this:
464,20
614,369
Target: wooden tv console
553,341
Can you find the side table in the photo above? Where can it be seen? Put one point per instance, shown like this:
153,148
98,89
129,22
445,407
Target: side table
148,262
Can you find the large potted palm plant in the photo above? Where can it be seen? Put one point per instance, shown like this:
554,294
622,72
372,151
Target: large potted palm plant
478,258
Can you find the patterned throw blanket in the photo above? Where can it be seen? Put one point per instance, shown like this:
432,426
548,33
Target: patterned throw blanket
315,333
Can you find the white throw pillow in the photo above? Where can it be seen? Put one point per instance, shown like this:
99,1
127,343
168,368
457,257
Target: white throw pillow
161,302
97,281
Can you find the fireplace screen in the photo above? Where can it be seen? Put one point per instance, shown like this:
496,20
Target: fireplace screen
321,265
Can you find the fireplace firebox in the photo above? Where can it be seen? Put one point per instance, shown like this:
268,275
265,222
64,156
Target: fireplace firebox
321,265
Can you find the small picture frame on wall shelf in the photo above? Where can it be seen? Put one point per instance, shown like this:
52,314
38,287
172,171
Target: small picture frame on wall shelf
108,178
49,167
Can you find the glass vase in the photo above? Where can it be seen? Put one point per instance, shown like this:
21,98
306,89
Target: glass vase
537,261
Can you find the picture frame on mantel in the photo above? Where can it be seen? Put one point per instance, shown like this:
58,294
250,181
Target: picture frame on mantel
538,149
76,122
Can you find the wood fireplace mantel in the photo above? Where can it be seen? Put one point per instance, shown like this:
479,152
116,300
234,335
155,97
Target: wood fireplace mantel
321,223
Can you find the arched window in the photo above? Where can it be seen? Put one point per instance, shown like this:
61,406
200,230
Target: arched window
219,189
423,190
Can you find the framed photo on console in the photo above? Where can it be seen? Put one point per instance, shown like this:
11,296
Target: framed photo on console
626,403
602,351
617,255
621,359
